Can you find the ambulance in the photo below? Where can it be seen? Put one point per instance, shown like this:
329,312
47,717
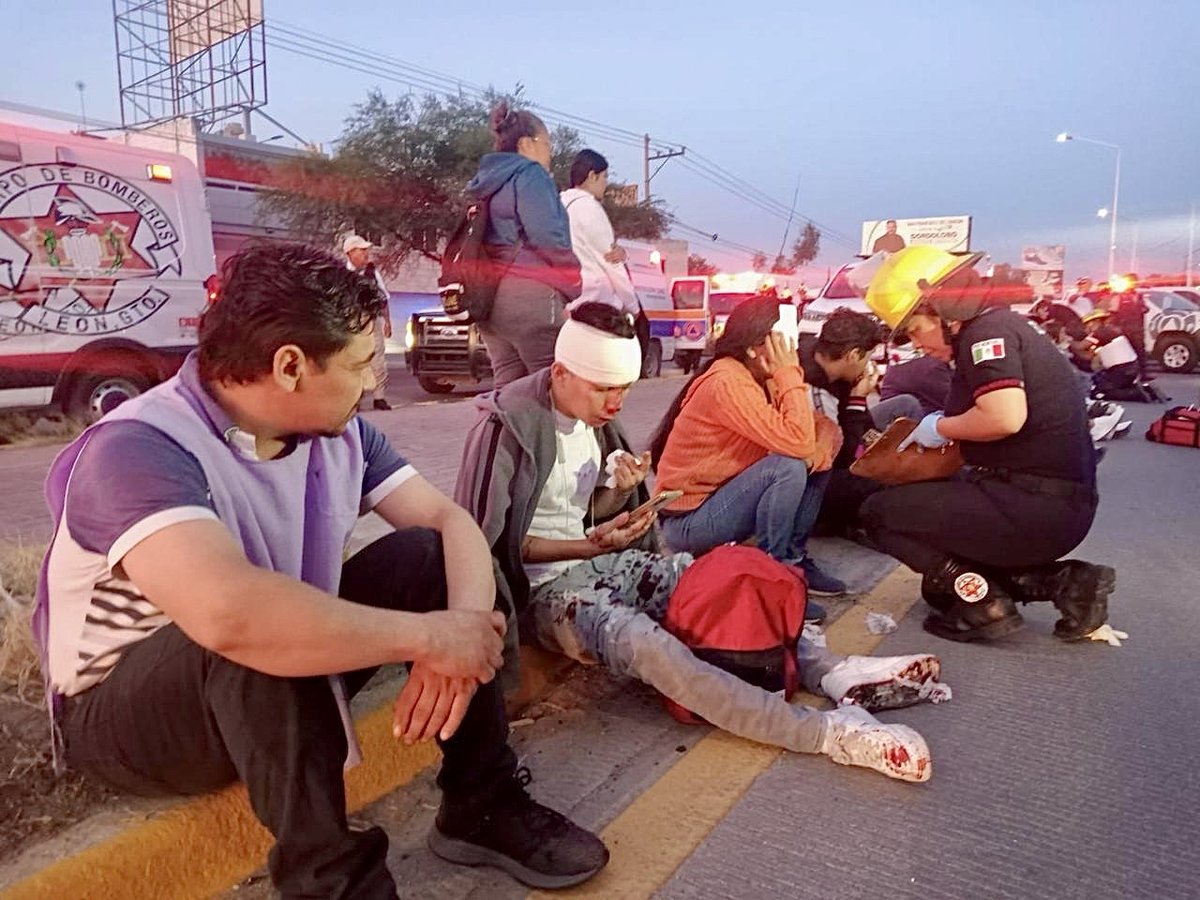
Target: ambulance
106,264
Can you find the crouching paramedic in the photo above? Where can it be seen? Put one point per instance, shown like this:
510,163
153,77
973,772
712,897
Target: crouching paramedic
531,474
188,616
1027,495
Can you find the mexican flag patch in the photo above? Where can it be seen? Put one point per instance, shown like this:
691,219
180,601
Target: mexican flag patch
982,351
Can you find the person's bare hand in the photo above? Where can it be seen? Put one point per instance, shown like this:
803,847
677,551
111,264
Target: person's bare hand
619,533
867,383
465,643
616,254
631,471
387,328
777,352
431,705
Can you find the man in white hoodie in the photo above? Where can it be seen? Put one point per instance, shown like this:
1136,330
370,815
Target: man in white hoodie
602,261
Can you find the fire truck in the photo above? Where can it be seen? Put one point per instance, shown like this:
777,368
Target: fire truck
106,263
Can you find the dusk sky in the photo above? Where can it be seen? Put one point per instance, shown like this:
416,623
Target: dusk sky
879,109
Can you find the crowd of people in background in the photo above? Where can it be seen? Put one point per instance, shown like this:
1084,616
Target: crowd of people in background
220,570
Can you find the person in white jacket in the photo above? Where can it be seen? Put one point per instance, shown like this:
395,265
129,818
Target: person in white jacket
605,279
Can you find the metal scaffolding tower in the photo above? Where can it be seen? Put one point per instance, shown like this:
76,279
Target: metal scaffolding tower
203,59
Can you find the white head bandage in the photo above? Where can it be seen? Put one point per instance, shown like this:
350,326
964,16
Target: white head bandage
597,356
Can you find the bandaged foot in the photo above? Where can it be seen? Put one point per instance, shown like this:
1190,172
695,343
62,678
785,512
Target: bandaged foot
885,682
854,737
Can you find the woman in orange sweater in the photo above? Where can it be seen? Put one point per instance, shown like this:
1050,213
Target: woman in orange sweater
746,448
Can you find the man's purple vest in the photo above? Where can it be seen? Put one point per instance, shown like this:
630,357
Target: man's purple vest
291,515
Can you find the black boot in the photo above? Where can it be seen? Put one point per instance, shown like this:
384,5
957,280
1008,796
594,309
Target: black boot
1078,589
968,604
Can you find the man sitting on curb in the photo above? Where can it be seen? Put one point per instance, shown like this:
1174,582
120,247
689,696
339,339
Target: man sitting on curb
188,616
531,474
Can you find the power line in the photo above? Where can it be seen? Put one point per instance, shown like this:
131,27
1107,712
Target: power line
312,45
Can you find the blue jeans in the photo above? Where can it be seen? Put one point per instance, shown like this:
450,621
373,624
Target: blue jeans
775,500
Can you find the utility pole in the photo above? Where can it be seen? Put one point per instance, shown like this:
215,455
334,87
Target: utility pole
647,157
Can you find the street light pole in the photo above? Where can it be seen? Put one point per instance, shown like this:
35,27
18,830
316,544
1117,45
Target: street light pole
1112,232
1065,136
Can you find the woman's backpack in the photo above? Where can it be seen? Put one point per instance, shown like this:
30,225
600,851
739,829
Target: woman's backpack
742,611
469,276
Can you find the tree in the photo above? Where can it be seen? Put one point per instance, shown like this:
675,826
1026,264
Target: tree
781,266
645,221
806,247
399,172
698,265
759,261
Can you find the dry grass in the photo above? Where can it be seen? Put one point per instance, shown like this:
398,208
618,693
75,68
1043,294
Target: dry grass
19,672
31,429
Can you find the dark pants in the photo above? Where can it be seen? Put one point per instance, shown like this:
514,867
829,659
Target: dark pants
175,718
989,522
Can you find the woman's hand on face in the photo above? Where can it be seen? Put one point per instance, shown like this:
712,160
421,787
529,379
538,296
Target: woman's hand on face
777,352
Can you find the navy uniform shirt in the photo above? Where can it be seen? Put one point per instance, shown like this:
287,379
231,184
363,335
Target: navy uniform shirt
1001,349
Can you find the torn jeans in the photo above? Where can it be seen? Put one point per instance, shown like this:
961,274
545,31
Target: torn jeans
606,610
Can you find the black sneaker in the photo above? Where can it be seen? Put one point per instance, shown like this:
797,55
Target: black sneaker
532,843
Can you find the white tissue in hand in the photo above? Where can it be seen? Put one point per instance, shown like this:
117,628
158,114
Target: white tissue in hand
1109,635
610,468
880,623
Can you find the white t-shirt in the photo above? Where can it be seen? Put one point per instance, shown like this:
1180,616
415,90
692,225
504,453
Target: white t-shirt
566,499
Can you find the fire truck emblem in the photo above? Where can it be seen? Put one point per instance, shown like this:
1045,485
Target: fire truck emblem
80,252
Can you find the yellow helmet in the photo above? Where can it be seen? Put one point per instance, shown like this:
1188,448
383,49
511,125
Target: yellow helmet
904,277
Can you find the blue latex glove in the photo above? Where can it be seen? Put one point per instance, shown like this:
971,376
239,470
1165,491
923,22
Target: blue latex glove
925,434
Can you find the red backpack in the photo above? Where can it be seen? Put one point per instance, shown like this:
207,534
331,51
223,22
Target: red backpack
742,611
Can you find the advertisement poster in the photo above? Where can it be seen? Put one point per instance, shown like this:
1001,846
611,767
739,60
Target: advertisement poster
949,233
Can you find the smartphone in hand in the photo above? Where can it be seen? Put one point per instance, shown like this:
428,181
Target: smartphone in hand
655,503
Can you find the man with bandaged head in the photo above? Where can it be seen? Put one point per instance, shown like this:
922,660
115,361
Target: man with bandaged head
553,482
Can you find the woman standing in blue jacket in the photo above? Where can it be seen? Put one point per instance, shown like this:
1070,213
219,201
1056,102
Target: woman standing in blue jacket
528,226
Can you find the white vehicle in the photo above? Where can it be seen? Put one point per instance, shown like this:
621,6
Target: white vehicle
1172,334
104,255
847,288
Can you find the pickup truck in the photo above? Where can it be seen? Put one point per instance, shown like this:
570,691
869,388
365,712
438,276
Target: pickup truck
442,352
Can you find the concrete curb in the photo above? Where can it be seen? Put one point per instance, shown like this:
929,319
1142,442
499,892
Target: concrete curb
199,847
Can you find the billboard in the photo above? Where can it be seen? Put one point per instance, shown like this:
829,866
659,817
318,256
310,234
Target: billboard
950,233
1048,258
1044,269
196,25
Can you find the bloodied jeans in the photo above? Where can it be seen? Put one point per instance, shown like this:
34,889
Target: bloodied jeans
606,611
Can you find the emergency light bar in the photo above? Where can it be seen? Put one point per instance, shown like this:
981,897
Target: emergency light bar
158,172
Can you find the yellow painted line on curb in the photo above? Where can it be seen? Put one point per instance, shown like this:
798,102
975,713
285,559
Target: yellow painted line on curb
656,833
206,845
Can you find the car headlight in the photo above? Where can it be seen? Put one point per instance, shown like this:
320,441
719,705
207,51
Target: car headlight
409,337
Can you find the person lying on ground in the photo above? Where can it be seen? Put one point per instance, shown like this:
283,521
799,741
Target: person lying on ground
198,624
583,576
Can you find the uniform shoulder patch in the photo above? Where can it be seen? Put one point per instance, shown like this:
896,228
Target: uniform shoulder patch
983,351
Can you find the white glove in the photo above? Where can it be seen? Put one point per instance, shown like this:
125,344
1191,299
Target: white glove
925,434
1109,635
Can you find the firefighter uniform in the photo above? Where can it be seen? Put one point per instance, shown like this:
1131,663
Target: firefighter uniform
994,532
